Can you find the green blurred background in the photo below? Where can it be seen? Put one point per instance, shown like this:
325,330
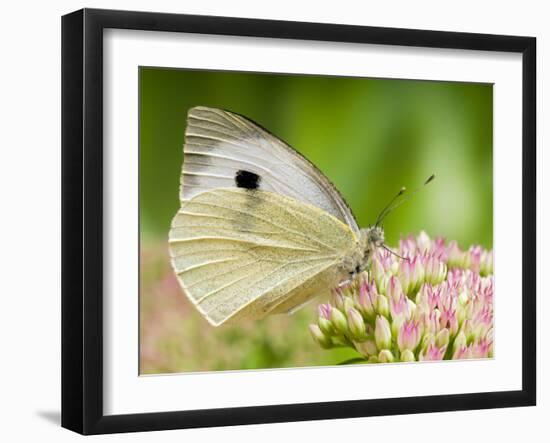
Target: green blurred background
369,136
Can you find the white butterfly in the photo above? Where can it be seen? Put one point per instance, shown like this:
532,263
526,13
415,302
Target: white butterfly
260,229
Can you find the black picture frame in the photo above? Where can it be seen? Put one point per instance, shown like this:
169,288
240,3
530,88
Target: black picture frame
82,220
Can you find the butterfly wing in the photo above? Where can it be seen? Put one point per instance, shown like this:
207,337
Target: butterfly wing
242,254
223,149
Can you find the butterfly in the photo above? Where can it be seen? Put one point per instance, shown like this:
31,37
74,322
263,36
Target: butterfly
260,229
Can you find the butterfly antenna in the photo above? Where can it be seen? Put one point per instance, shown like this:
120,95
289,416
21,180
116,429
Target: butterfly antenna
394,253
394,204
383,211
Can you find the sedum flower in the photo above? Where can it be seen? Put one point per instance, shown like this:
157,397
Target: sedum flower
442,338
325,325
385,356
432,352
407,355
382,306
339,321
394,288
356,324
367,347
409,335
365,299
486,263
435,303
379,274
382,333
323,340
435,270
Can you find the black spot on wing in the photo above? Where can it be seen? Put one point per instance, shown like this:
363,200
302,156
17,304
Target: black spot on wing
247,180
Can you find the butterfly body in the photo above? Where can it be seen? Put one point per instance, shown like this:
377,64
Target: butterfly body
358,259
260,230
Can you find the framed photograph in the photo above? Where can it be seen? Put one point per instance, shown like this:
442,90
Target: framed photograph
269,221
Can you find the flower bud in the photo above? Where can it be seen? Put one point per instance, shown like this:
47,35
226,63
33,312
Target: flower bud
347,291
407,246
432,321
466,261
382,305
486,265
462,352
417,274
356,324
404,275
467,328
432,352
435,271
490,335
324,310
324,319
378,273
382,332
321,339
366,295
442,338
423,242
409,336
475,258
338,298
394,289
480,349
427,340
460,341
411,307
367,347
396,323
421,298
325,326
464,311
348,304
453,324
385,356
454,255
407,355
463,297
400,308
339,321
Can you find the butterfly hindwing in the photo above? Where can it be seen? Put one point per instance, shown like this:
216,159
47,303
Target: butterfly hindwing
242,254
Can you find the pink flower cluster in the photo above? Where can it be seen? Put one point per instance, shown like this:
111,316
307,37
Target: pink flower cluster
435,303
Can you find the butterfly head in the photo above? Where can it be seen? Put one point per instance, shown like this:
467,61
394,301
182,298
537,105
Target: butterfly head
374,236
371,239
357,260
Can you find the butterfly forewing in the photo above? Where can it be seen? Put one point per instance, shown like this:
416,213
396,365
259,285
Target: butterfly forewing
223,149
242,254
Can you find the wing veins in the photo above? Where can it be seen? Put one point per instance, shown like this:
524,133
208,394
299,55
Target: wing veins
190,239
205,174
193,214
244,265
280,282
256,165
224,228
299,234
201,265
196,117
